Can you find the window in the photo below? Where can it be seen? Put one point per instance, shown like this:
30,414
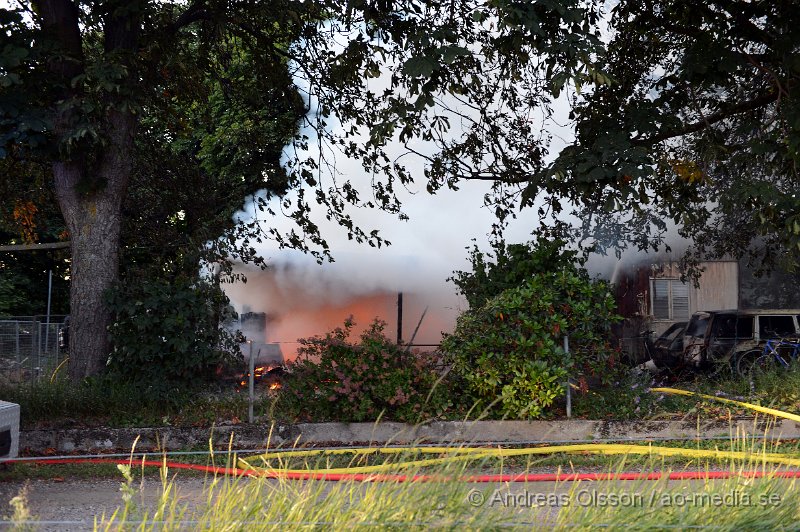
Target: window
731,326
670,299
775,326
744,327
697,325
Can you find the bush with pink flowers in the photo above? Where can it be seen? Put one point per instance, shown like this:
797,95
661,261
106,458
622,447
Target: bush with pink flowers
334,378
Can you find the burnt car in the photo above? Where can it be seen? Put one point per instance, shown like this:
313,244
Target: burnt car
666,351
721,338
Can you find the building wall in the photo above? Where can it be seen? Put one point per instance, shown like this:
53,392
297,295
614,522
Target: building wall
778,289
718,287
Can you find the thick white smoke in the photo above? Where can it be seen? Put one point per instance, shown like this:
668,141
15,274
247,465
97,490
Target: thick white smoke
303,298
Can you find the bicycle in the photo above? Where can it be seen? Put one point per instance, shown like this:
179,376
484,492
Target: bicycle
777,352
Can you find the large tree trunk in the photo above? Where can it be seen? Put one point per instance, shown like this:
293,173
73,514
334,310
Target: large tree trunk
102,171
94,221
94,227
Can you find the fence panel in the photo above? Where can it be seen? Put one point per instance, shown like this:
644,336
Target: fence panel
29,348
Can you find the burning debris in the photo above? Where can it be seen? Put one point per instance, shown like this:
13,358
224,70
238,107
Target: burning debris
269,377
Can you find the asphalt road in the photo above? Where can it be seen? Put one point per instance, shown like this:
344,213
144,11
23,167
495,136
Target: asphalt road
73,504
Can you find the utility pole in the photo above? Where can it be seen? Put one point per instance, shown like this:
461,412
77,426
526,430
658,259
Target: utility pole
399,318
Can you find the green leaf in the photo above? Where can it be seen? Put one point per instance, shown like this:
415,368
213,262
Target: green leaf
451,53
421,67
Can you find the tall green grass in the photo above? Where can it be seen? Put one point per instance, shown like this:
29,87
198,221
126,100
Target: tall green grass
737,503
239,503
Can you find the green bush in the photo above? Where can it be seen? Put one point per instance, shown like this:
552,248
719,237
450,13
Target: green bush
168,334
513,265
509,351
335,379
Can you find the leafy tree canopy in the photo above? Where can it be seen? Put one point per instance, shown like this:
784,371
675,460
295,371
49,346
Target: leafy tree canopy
699,126
688,112
84,84
513,265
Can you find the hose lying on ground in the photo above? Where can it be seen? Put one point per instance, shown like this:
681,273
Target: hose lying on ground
380,472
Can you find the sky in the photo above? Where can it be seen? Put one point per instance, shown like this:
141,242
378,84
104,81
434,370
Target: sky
304,298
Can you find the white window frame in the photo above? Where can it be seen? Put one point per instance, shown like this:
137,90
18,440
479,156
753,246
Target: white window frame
670,299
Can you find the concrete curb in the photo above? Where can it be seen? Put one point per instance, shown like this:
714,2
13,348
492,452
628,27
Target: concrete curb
257,436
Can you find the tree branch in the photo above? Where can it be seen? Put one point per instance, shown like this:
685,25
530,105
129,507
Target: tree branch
35,247
60,21
194,13
742,107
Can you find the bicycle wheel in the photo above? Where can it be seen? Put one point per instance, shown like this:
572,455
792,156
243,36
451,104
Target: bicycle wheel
764,364
745,361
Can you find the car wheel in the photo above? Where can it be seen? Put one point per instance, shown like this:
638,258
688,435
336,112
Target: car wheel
746,360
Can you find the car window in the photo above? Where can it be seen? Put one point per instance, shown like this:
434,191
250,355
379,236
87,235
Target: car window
732,326
744,327
775,326
723,326
697,326
675,330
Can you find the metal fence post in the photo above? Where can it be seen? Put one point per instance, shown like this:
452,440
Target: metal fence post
16,336
47,321
36,344
251,384
569,387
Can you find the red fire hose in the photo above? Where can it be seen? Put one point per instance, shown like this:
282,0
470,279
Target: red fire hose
363,477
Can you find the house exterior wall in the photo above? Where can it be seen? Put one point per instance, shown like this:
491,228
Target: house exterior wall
778,289
717,288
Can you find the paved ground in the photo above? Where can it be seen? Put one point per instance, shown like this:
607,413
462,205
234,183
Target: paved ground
73,504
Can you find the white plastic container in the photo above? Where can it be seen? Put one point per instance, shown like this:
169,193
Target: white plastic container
9,430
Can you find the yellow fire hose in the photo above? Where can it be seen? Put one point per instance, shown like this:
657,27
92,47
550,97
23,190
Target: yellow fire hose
272,461
751,406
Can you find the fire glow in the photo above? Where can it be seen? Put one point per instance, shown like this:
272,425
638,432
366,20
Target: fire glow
270,375
304,300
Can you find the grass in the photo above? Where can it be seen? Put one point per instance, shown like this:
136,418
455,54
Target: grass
54,403
107,402
24,471
629,398
229,503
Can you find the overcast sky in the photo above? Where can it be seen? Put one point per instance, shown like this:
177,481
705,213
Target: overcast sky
425,249
424,252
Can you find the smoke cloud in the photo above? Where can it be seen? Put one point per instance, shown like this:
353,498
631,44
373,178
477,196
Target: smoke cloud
302,298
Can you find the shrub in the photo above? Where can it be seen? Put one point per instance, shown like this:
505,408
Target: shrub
509,350
513,265
168,334
335,379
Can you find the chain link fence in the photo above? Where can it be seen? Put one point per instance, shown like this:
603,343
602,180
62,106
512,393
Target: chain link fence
29,347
